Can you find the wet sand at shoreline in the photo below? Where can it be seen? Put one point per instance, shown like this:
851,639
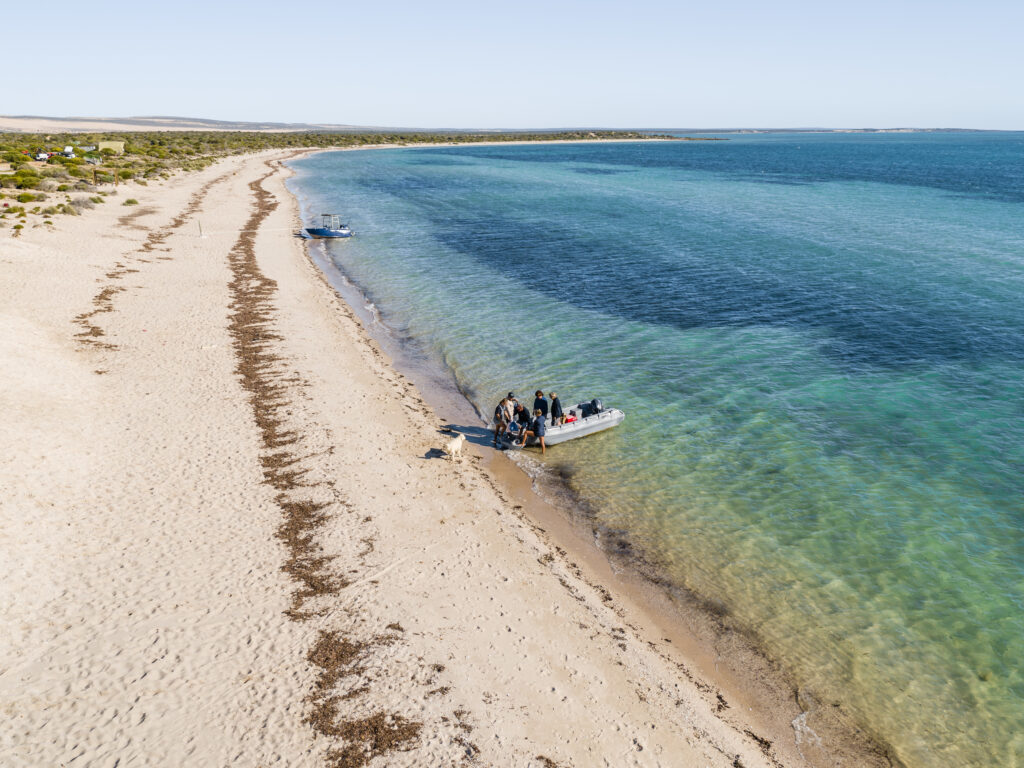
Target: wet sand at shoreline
232,538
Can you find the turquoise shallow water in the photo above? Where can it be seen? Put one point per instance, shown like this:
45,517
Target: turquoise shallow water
819,343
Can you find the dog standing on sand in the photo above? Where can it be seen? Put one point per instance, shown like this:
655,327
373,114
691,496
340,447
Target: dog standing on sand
454,447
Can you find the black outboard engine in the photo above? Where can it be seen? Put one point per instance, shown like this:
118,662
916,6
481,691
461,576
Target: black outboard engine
586,409
595,404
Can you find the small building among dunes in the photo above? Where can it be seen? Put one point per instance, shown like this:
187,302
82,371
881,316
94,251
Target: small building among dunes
116,146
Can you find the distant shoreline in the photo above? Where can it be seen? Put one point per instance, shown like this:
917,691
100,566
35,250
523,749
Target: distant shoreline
46,124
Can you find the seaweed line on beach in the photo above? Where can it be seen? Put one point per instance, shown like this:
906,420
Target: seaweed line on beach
251,325
103,301
261,372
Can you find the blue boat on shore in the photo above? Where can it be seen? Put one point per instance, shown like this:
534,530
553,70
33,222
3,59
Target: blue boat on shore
331,226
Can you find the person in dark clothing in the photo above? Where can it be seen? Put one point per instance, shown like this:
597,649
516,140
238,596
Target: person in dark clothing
522,415
540,403
557,414
538,428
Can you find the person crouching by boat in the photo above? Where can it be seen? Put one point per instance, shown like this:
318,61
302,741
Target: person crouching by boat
521,415
541,403
557,414
538,428
502,418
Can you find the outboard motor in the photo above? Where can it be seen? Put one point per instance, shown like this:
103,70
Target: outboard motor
595,404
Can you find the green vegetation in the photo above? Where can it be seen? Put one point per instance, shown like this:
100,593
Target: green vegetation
130,201
160,154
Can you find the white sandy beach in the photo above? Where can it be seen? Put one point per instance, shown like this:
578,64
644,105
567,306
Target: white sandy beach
228,538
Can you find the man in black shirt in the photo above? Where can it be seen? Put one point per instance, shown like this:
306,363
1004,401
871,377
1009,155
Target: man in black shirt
522,415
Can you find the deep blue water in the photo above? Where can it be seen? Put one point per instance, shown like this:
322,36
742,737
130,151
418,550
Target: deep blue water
819,343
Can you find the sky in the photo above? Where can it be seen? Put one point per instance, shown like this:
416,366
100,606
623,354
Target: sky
652,64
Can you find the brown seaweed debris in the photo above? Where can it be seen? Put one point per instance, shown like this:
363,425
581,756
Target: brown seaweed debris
370,737
251,325
367,737
262,375
104,300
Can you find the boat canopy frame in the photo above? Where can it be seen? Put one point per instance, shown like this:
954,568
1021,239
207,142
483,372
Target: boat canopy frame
331,221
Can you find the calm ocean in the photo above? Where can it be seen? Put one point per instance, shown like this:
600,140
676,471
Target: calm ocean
818,340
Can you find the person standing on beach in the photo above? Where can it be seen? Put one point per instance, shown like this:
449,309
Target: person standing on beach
540,403
557,414
502,417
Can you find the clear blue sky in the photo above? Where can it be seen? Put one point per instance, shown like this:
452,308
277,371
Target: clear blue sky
790,63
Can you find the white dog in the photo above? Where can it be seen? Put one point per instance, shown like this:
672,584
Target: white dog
454,447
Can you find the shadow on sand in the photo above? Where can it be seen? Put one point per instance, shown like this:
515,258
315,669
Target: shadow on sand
477,435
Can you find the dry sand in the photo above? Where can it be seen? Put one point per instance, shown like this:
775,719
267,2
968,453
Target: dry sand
228,536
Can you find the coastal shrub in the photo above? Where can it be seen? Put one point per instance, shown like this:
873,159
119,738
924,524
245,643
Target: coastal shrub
130,201
26,178
63,187
82,202
51,210
126,174
68,209
25,197
97,200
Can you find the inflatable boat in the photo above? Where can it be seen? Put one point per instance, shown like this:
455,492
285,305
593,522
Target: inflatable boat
590,418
